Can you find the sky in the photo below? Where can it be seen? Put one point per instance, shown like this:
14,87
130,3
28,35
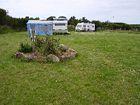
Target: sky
127,11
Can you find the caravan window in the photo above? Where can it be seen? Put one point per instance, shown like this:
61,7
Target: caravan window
60,24
79,26
84,25
61,19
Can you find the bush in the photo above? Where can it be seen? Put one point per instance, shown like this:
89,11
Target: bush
47,46
71,27
5,29
51,46
25,48
39,42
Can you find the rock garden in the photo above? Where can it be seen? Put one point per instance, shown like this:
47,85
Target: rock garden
46,49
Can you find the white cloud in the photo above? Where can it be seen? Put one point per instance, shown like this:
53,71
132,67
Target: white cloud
122,10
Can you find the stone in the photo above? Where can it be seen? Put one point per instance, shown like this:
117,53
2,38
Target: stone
52,58
29,57
19,55
72,52
69,54
63,47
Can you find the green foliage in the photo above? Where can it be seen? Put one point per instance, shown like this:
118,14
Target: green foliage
25,48
18,24
5,29
83,19
51,18
51,46
71,27
3,14
47,45
39,42
73,21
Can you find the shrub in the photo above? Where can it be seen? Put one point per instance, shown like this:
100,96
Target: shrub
47,46
51,46
39,42
25,48
5,29
71,27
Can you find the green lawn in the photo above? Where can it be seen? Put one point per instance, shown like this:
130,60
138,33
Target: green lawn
106,72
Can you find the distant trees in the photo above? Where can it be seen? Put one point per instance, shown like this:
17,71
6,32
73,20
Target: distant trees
8,22
3,14
84,20
31,18
51,18
101,25
73,21
19,24
98,24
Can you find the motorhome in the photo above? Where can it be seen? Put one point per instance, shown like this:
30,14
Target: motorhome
85,27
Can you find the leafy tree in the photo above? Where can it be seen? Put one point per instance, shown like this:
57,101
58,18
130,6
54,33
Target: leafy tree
3,14
98,24
73,21
51,18
37,18
84,20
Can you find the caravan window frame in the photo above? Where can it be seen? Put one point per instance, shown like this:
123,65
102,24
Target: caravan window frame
60,24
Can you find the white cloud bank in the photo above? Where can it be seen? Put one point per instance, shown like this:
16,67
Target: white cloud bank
122,10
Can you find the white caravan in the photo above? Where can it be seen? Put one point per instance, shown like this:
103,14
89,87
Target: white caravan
60,25
85,27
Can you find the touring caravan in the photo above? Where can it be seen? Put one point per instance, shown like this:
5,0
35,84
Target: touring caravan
60,25
85,27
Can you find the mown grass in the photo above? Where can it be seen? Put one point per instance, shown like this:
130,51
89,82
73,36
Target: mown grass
106,72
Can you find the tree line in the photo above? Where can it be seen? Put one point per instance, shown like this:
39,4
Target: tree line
104,25
8,23
19,24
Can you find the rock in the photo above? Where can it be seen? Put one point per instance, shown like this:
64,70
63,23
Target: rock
52,58
29,57
19,55
63,47
69,54
72,52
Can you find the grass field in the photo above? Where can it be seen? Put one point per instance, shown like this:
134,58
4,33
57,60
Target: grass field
106,72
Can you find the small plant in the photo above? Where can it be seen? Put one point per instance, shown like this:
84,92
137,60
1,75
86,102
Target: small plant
51,46
48,45
25,48
39,42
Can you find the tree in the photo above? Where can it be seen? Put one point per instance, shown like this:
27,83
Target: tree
73,21
51,18
84,20
3,14
98,24
37,18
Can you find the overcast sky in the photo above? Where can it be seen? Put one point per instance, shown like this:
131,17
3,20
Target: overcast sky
127,11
